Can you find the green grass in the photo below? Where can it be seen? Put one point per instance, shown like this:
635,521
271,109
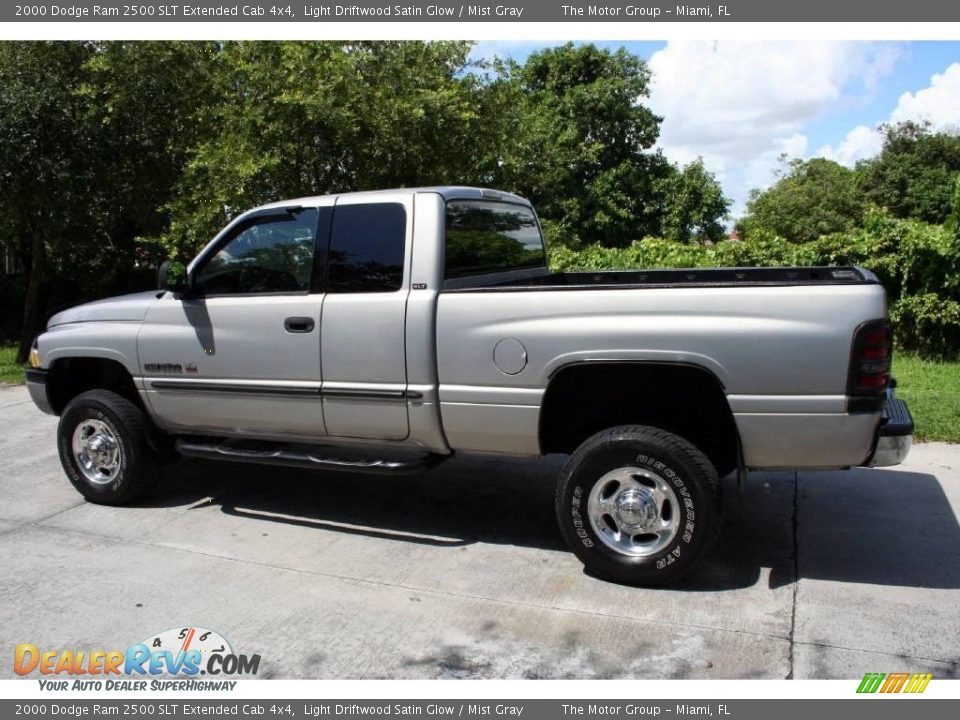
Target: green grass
9,370
932,391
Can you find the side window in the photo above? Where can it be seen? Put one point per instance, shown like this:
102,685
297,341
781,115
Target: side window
488,237
367,248
274,255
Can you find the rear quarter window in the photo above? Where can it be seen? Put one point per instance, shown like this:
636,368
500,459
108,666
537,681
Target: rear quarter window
487,237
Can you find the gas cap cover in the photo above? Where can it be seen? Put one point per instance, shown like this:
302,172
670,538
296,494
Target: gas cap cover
510,356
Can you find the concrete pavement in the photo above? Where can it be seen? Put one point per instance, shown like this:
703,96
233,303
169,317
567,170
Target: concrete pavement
462,573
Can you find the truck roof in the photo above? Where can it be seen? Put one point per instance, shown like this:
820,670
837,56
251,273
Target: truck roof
449,192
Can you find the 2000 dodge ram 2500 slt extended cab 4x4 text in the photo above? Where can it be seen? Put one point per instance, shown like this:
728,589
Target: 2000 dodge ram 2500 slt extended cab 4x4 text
380,332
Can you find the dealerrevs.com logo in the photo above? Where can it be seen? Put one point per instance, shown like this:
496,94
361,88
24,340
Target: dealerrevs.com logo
171,660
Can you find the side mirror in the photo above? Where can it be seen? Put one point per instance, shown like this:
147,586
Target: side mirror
173,277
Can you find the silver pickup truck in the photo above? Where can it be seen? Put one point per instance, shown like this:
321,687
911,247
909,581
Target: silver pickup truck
381,332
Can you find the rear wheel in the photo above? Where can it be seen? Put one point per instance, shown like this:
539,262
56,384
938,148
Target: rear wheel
638,505
102,440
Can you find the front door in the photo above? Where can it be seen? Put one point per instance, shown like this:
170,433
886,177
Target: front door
242,354
364,317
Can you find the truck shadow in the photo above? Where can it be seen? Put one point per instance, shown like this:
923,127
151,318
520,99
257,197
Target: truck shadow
884,527
881,527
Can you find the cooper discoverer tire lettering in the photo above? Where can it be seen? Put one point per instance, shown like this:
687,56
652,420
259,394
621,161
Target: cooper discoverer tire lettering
638,505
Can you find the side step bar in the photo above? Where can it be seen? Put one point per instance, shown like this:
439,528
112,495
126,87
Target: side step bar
305,456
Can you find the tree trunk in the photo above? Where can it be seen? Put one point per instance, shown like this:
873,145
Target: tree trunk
31,307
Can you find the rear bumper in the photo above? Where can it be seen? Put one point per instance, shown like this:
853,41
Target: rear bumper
37,387
894,436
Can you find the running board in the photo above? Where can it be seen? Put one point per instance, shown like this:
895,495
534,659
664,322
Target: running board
305,456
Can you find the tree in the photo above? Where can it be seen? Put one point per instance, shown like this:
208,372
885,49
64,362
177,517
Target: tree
93,138
914,174
811,198
953,220
295,119
577,141
694,205
43,156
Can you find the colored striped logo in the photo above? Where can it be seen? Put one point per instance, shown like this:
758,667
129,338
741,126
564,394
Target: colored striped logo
894,682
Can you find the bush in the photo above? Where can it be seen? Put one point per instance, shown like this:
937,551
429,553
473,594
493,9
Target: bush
918,264
928,324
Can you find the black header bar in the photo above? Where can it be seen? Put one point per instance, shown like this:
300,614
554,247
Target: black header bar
324,11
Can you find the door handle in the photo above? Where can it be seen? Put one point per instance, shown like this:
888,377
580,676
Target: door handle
298,324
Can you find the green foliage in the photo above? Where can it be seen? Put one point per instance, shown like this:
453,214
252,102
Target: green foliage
763,250
10,370
932,390
694,205
294,119
927,323
577,140
646,253
915,174
558,233
93,139
953,220
811,198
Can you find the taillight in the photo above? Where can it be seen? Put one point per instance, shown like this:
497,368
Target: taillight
870,366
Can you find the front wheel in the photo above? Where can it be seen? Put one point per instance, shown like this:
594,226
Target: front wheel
638,505
102,439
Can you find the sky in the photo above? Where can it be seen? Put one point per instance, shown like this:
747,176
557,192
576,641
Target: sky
741,105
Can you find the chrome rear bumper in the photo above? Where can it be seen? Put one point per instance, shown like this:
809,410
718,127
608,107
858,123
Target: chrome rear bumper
895,434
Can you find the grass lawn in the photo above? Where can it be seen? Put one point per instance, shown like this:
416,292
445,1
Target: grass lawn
932,391
9,371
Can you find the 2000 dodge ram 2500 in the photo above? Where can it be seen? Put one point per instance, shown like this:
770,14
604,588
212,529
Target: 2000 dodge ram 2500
381,332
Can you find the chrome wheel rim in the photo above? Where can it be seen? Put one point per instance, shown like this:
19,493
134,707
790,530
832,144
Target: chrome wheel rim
97,451
634,511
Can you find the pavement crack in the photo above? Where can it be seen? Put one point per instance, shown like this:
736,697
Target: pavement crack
13,528
796,574
36,521
57,513
955,664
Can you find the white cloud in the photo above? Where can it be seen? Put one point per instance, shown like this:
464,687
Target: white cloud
740,105
861,142
938,104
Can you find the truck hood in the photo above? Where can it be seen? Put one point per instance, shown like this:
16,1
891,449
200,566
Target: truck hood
132,308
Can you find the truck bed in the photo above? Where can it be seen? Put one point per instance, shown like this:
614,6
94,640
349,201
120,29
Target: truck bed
540,279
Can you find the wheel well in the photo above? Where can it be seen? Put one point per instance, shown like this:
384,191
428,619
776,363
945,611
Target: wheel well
687,400
71,376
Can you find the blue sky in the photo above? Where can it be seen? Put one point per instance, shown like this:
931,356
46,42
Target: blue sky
740,105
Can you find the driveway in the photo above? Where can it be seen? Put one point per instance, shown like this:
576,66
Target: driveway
461,573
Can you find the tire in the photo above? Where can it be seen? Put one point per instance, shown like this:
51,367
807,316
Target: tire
103,445
638,505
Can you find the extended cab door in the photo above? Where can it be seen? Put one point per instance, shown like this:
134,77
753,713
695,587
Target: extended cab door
364,317
241,355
